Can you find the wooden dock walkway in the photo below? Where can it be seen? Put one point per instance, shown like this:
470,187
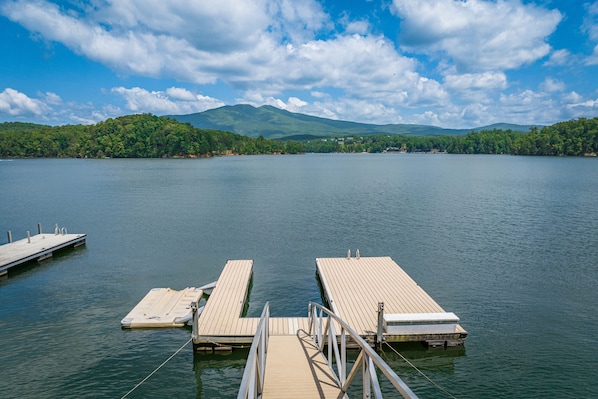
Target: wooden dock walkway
295,369
37,247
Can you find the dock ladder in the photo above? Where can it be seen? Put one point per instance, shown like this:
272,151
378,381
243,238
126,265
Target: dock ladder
324,351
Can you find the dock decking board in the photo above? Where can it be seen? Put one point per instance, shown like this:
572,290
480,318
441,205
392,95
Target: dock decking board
224,308
295,369
355,286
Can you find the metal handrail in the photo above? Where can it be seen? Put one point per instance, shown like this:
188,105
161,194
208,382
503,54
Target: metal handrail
252,384
323,332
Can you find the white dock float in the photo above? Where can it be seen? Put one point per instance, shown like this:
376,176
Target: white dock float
421,323
37,247
163,307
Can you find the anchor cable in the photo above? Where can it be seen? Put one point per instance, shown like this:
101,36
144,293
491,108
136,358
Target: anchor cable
421,372
158,368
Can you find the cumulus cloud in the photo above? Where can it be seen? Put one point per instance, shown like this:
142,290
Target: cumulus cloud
477,34
270,45
552,85
582,108
264,50
484,81
15,103
172,101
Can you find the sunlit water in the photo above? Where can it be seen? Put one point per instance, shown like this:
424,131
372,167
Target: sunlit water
509,244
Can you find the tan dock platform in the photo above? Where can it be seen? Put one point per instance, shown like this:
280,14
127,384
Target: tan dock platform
295,369
36,247
354,286
163,307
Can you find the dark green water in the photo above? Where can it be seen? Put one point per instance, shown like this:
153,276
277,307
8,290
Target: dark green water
509,244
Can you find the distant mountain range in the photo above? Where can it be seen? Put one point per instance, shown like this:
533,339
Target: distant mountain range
275,123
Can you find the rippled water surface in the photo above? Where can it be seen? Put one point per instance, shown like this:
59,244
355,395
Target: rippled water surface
509,244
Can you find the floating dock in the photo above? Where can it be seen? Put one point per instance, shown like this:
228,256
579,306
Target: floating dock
163,307
36,248
354,288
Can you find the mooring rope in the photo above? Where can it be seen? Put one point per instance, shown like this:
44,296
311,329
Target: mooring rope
158,368
421,372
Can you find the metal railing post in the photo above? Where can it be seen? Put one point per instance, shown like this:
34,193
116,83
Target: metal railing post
252,384
379,335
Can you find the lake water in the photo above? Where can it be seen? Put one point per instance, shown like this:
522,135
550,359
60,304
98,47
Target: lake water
509,244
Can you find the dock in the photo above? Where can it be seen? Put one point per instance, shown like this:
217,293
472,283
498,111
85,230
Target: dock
354,288
368,301
36,247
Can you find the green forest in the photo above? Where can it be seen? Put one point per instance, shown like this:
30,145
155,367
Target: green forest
149,136
572,138
131,136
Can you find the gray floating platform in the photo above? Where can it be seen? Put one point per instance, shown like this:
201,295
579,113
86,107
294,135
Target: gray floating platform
36,248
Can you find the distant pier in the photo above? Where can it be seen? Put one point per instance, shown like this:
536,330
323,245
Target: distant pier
36,247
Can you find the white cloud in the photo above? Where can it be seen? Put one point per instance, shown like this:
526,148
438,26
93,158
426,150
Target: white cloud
582,108
590,27
484,81
15,103
590,24
179,93
559,58
360,27
477,34
172,101
552,85
593,59
265,44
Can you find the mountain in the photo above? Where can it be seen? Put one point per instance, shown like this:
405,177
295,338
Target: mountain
275,123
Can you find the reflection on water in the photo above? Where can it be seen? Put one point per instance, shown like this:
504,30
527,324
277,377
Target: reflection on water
218,375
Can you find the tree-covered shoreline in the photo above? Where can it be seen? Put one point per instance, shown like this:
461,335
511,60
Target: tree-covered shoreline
149,136
571,138
131,136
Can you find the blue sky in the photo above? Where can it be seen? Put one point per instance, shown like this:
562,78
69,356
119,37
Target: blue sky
450,63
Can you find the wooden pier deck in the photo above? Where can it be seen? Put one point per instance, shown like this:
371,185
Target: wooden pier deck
353,287
37,247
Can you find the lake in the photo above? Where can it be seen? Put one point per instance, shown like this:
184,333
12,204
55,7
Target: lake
509,244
